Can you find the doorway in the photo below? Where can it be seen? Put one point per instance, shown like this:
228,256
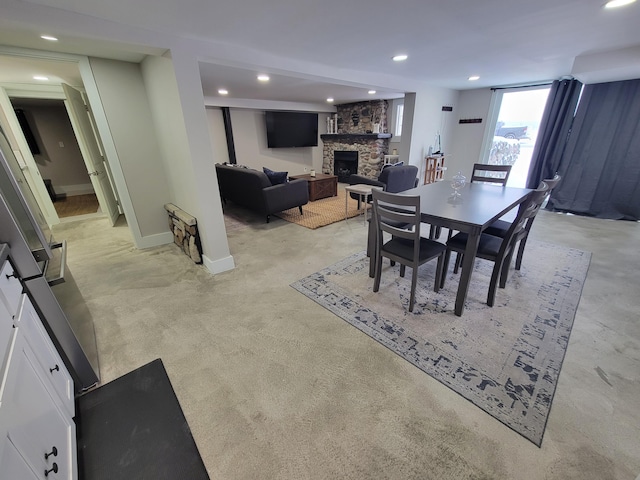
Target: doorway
58,157
517,115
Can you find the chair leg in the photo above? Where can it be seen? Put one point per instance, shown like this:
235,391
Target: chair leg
436,283
491,296
445,267
300,208
414,281
504,273
456,267
378,274
402,269
523,242
372,241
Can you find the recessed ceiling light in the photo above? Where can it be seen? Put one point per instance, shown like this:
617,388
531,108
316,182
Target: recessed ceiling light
400,58
473,78
329,99
222,91
618,3
49,37
263,78
41,78
371,92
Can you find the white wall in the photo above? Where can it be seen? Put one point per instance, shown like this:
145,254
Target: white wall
423,119
250,140
166,114
124,99
215,124
469,137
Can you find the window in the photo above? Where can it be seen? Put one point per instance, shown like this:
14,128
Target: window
517,116
399,114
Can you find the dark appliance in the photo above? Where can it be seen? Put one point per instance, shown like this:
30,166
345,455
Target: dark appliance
41,265
291,129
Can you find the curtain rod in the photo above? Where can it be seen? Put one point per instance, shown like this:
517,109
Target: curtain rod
524,86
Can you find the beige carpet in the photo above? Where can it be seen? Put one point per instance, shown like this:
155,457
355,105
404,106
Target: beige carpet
322,212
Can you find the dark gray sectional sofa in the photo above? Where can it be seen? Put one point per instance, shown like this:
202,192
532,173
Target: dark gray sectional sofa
253,189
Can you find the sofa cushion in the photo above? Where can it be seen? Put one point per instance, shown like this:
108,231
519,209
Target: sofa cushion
276,178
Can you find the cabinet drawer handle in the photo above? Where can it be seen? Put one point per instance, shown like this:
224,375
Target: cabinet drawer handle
54,369
54,452
53,469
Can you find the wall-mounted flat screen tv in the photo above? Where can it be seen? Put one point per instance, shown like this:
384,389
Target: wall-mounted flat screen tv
291,129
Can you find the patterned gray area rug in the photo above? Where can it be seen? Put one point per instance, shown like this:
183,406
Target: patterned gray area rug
505,359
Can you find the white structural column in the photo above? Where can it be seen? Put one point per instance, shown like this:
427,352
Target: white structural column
216,255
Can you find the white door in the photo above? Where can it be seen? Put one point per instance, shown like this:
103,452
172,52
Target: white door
78,114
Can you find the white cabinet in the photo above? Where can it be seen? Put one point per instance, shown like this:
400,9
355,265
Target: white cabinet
50,362
33,421
10,288
13,465
37,431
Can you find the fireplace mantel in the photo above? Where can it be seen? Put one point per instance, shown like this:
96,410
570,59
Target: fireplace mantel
355,136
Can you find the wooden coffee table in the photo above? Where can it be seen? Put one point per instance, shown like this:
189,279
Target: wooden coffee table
320,186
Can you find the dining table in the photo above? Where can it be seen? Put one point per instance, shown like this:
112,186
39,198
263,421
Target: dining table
472,211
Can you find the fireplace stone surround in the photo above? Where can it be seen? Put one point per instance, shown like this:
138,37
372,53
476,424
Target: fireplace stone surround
370,149
355,124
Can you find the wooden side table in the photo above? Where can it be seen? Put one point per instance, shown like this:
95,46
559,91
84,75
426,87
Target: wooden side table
320,186
359,189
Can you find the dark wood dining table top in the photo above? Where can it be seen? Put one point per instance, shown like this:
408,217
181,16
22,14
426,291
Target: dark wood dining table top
476,208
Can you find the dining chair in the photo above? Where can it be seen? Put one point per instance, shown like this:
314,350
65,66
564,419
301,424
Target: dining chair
406,246
495,249
498,174
482,172
499,228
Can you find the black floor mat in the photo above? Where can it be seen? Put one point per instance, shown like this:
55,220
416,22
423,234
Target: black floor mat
134,428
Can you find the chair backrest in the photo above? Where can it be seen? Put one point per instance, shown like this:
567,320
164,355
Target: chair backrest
498,174
398,215
552,182
526,213
400,178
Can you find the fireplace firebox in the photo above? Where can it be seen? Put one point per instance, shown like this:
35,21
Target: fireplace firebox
345,163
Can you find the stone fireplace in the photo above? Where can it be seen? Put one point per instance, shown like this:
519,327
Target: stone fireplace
355,138
344,164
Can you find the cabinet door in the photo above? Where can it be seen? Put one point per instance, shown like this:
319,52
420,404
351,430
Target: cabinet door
6,334
13,465
52,369
10,288
31,418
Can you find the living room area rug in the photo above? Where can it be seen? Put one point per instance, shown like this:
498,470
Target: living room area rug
505,359
322,212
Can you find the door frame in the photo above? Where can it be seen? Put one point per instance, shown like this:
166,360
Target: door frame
102,125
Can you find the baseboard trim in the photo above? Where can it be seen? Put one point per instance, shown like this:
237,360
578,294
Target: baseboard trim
154,240
72,190
220,265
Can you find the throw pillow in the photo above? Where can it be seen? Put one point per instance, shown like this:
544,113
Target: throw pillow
275,178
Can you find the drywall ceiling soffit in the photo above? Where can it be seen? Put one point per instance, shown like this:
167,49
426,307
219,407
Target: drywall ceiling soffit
16,70
242,83
615,65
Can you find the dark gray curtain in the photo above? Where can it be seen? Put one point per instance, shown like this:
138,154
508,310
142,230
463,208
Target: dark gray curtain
554,128
600,167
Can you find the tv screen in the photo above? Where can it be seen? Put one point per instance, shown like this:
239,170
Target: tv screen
291,129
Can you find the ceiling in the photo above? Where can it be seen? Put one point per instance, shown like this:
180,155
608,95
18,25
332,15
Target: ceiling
313,50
